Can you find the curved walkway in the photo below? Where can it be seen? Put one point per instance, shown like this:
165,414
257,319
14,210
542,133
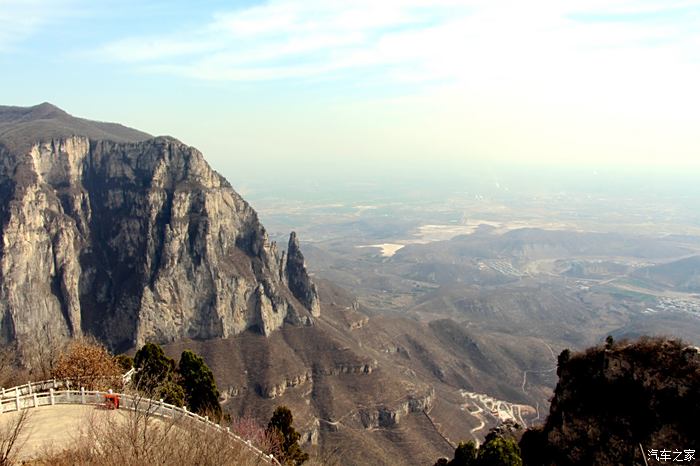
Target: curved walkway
53,427
63,410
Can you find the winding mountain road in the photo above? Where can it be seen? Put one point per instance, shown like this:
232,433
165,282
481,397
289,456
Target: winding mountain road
496,409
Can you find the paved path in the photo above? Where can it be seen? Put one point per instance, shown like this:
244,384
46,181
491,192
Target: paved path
55,427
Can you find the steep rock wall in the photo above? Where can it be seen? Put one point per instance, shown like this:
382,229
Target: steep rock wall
134,242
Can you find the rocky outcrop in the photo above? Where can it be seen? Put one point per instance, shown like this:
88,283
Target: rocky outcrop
610,400
390,416
277,389
295,276
312,434
358,323
134,242
361,368
353,319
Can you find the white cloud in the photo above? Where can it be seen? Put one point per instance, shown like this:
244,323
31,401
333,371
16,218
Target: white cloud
449,39
144,49
544,80
19,19
286,38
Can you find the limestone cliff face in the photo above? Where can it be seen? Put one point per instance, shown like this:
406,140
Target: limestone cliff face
136,241
389,416
295,276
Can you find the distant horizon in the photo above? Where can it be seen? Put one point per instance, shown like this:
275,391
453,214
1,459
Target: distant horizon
259,179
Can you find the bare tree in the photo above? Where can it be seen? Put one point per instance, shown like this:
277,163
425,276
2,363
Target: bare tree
40,350
8,367
10,438
88,362
250,429
327,457
128,437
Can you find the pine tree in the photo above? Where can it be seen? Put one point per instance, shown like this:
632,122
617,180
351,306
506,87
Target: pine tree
155,375
465,454
499,451
125,361
152,367
281,425
197,380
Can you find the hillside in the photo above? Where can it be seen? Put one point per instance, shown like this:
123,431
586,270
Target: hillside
681,275
20,127
379,389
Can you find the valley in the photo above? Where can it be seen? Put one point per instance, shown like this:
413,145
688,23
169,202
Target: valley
452,233
395,321
523,278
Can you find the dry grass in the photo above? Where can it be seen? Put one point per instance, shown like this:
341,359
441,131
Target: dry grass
144,438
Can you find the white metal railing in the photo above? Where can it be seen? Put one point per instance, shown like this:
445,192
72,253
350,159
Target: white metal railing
45,385
126,378
33,387
34,398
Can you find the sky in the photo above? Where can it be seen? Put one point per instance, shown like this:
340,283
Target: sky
295,88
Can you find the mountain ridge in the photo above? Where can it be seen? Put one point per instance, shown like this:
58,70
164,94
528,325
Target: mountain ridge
20,125
131,240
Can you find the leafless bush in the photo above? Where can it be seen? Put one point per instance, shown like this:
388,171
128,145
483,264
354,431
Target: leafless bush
10,438
135,438
249,428
9,367
40,350
326,457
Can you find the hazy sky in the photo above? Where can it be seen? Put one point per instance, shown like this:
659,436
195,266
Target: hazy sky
262,86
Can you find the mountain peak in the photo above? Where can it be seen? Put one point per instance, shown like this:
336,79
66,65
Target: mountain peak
46,110
22,127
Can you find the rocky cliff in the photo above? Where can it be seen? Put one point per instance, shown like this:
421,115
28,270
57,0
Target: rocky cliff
619,404
110,232
294,275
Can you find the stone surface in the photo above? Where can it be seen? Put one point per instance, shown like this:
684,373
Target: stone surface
296,277
134,242
610,400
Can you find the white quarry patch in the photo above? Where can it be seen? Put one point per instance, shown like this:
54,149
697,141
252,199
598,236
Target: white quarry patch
434,232
388,249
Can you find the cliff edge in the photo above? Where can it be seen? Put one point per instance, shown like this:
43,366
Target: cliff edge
619,404
109,231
